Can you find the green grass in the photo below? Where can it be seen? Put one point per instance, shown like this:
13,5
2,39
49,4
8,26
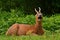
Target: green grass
46,36
50,24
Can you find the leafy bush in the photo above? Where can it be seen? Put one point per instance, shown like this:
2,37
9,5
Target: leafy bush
52,23
6,20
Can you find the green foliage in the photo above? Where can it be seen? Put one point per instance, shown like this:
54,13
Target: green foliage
52,23
9,18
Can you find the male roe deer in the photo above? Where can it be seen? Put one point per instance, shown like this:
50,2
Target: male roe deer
24,29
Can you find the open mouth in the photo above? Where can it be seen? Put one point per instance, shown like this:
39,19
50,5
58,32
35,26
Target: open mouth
40,17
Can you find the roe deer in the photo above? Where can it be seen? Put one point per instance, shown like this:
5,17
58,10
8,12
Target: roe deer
24,29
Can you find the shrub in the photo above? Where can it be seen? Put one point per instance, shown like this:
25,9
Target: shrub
6,20
52,23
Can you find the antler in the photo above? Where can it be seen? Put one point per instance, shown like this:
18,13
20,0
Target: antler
39,9
36,10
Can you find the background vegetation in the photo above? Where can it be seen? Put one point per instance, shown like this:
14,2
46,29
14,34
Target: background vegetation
48,6
51,23
22,11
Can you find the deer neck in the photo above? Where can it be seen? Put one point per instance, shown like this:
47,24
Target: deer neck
38,25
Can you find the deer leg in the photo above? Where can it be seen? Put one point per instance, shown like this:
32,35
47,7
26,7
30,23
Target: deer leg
31,32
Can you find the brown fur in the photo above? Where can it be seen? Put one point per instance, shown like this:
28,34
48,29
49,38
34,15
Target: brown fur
24,29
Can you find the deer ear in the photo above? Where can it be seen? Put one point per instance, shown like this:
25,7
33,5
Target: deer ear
36,10
39,9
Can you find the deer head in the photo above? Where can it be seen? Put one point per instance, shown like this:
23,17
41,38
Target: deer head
38,15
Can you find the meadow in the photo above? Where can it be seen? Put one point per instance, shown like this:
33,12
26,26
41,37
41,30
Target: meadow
51,26
22,12
32,37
